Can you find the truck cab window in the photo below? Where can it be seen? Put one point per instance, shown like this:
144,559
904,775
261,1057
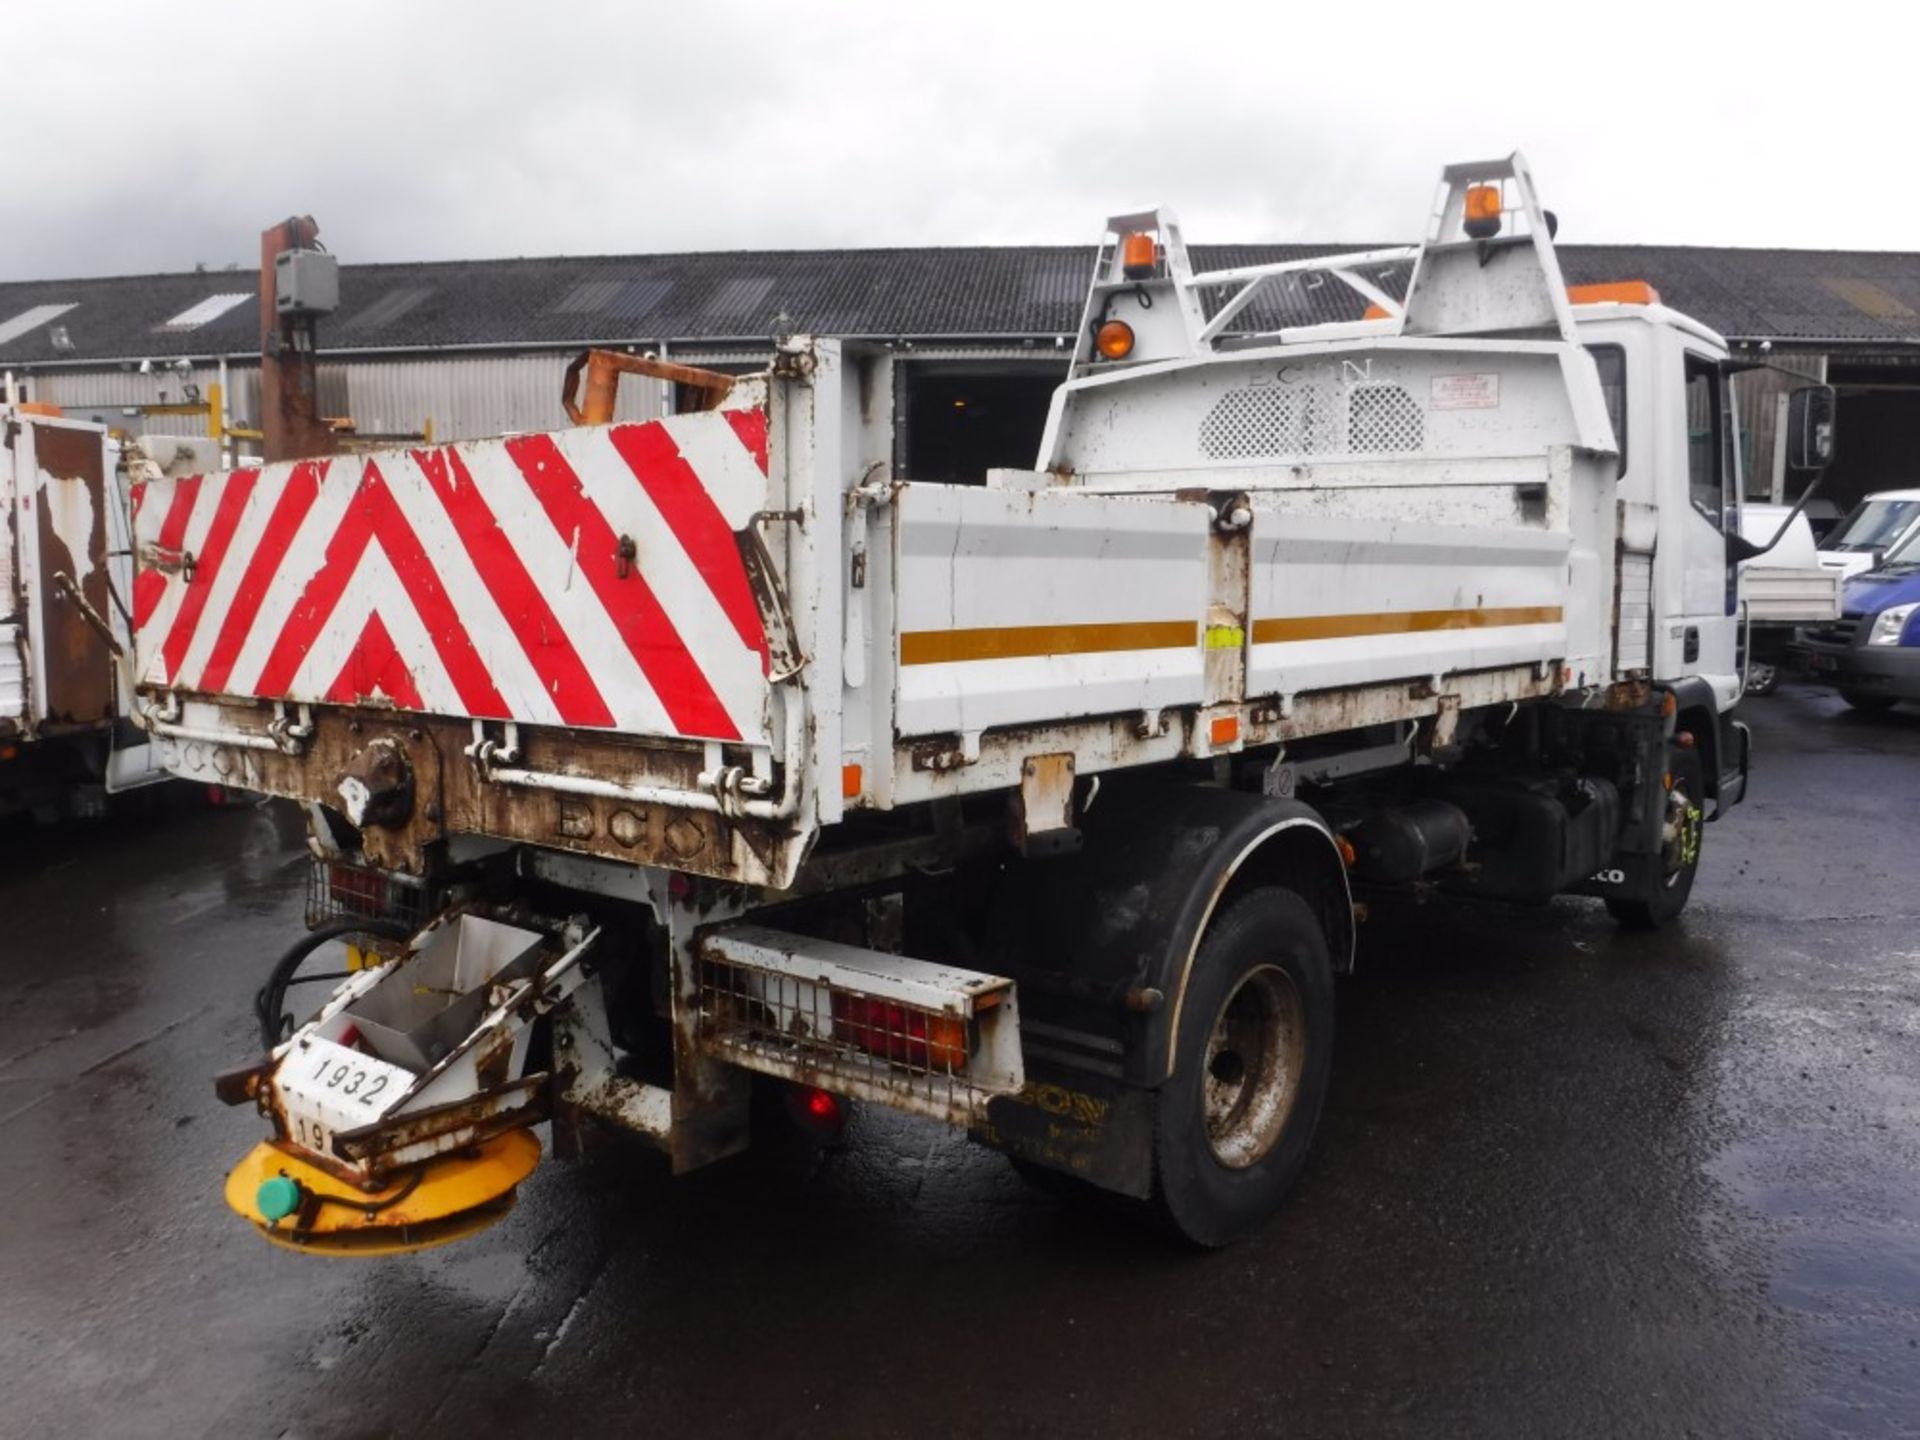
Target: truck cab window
1611,362
1706,440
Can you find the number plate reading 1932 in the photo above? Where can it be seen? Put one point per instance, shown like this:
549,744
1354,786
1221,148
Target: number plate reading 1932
327,1087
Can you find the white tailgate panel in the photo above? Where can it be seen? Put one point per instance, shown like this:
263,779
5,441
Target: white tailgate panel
1017,607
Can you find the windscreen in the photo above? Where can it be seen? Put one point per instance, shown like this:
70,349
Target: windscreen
1905,555
1875,524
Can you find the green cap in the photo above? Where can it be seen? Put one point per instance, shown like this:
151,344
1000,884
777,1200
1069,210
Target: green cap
277,1198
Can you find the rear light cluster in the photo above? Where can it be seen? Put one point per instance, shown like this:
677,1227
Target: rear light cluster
904,1034
358,892
337,890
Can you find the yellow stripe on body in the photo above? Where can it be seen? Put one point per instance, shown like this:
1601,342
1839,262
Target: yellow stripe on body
1403,622
1015,642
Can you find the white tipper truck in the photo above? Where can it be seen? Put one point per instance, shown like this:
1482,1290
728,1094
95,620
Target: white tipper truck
647,764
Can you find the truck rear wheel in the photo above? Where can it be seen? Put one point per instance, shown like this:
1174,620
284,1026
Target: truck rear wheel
1255,1046
1686,829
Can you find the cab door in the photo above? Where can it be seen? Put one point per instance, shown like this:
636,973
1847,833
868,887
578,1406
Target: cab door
1703,630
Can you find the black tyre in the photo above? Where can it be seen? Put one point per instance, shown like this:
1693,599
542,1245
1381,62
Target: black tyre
1870,703
1255,1045
1762,678
1685,829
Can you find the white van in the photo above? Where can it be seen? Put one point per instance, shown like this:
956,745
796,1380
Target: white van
1877,524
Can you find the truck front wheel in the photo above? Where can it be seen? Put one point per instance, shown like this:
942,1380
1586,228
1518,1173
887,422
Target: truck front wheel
1255,1046
1683,833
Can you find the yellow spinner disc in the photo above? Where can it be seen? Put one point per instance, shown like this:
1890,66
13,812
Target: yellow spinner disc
455,1196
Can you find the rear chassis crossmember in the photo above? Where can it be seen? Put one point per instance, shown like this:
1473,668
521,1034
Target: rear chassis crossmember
932,1040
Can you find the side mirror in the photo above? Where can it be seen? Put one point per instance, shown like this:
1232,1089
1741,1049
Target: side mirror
1810,417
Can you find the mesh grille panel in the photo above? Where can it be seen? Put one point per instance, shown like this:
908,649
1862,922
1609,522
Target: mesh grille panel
1269,420
1384,419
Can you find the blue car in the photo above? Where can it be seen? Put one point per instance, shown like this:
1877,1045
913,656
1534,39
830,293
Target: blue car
1871,654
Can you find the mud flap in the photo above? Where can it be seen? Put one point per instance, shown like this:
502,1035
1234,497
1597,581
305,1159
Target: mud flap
1094,1128
1733,782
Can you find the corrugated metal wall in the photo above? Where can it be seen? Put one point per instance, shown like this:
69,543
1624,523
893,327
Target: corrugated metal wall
465,396
104,396
469,396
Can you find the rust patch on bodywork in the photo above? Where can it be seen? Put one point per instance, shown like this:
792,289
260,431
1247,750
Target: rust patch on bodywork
450,797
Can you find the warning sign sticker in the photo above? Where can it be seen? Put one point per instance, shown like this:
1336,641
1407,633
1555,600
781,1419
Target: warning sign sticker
1466,392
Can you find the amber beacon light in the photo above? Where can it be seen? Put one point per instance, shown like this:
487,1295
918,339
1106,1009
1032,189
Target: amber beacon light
1483,210
1139,256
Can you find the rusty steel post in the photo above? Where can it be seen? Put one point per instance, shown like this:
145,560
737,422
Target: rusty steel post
603,371
290,423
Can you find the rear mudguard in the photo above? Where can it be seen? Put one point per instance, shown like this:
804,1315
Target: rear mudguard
1102,943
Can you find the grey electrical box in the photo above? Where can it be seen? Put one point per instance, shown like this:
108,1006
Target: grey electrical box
306,282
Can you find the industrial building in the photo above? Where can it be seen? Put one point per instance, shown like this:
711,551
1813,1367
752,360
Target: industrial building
467,348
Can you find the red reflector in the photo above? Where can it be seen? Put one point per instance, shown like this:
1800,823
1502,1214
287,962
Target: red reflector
812,1108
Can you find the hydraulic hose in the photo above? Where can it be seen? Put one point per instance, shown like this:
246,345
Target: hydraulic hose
272,995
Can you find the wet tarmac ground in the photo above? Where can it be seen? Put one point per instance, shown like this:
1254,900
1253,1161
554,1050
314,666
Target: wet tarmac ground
1572,1181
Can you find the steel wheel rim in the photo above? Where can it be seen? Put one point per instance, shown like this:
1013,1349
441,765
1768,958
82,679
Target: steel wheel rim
1689,827
1256,1052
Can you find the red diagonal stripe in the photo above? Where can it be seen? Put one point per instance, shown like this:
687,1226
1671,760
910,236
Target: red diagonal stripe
289,510
697,524
547,647
751,427
375,667
691,705
374,515
234,490
152,584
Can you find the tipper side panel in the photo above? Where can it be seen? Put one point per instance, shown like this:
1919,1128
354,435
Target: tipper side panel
589,578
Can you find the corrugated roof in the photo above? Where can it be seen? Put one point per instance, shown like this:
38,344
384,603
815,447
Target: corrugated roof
1868,298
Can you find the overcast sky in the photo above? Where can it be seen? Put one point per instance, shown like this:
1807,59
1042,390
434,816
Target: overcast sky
152,136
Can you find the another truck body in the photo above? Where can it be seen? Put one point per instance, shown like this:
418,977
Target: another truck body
1781,590
65,568
979,802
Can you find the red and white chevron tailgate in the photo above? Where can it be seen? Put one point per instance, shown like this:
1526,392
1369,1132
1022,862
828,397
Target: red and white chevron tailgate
485,579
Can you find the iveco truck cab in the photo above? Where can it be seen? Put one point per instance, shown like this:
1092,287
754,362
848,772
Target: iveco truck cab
1669,400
